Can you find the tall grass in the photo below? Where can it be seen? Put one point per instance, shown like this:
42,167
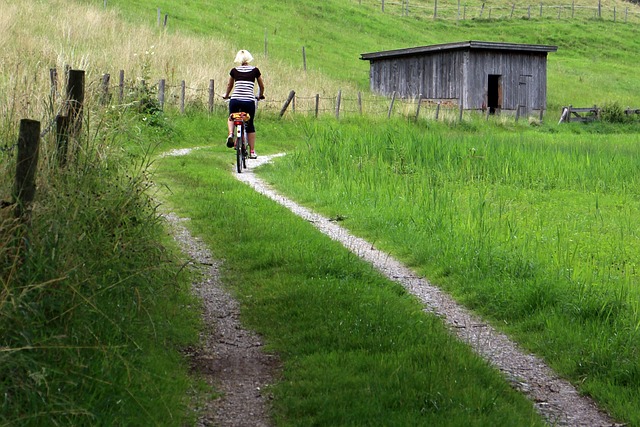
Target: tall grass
92,311
534,230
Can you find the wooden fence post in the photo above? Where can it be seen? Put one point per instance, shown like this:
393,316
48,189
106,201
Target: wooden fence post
75,97
393,100
105,98
382,5
159,16
211,95
304,59
599,8
266,51
317,104
183,90
121,87
437,110
338,100
518,113
53,76
418,108
461,110
573,8
360,102
435,9
25,188
287,102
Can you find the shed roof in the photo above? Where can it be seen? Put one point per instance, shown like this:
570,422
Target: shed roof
472,44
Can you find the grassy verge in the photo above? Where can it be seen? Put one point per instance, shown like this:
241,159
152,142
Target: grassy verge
356,348
533,229
92,308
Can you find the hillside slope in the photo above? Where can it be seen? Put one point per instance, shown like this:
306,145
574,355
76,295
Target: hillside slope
593,63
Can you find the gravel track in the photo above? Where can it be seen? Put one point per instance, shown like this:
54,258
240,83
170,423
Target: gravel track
242,374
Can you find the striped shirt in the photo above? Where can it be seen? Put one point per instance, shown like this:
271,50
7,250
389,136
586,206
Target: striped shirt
244,77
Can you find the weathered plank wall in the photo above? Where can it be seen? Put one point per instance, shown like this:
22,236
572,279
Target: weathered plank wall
463,75
524,79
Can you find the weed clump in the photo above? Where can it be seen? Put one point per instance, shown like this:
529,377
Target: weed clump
612,112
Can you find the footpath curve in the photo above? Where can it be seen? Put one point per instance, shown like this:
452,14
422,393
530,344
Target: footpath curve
556,399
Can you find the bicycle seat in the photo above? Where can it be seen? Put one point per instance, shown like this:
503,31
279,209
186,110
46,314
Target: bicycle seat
240,116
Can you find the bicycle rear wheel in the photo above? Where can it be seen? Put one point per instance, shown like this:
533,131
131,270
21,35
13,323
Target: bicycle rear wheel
239,156
245,154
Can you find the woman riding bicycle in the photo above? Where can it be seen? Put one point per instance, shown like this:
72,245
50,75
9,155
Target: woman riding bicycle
243,99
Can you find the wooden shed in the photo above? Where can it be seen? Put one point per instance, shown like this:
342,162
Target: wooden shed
479,75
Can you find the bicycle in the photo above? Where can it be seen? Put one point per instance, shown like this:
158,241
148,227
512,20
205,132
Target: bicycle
240,141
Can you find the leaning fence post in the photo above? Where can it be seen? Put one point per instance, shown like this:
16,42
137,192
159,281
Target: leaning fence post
393,100
287,102
360,102
25,187
338,101
211,95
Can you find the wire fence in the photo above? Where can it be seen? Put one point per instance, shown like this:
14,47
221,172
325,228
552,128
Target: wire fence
156,96
628,13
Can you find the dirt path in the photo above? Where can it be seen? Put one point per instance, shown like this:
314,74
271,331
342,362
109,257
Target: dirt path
230,358
236,365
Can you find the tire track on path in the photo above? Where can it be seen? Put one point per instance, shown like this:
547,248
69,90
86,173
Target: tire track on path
556,399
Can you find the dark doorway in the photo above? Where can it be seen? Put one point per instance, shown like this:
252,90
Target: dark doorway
494,93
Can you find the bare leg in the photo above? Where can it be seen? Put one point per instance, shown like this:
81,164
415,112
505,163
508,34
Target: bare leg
230,125
252,140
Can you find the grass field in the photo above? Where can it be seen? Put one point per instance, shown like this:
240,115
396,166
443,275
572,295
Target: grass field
527,228
531,226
